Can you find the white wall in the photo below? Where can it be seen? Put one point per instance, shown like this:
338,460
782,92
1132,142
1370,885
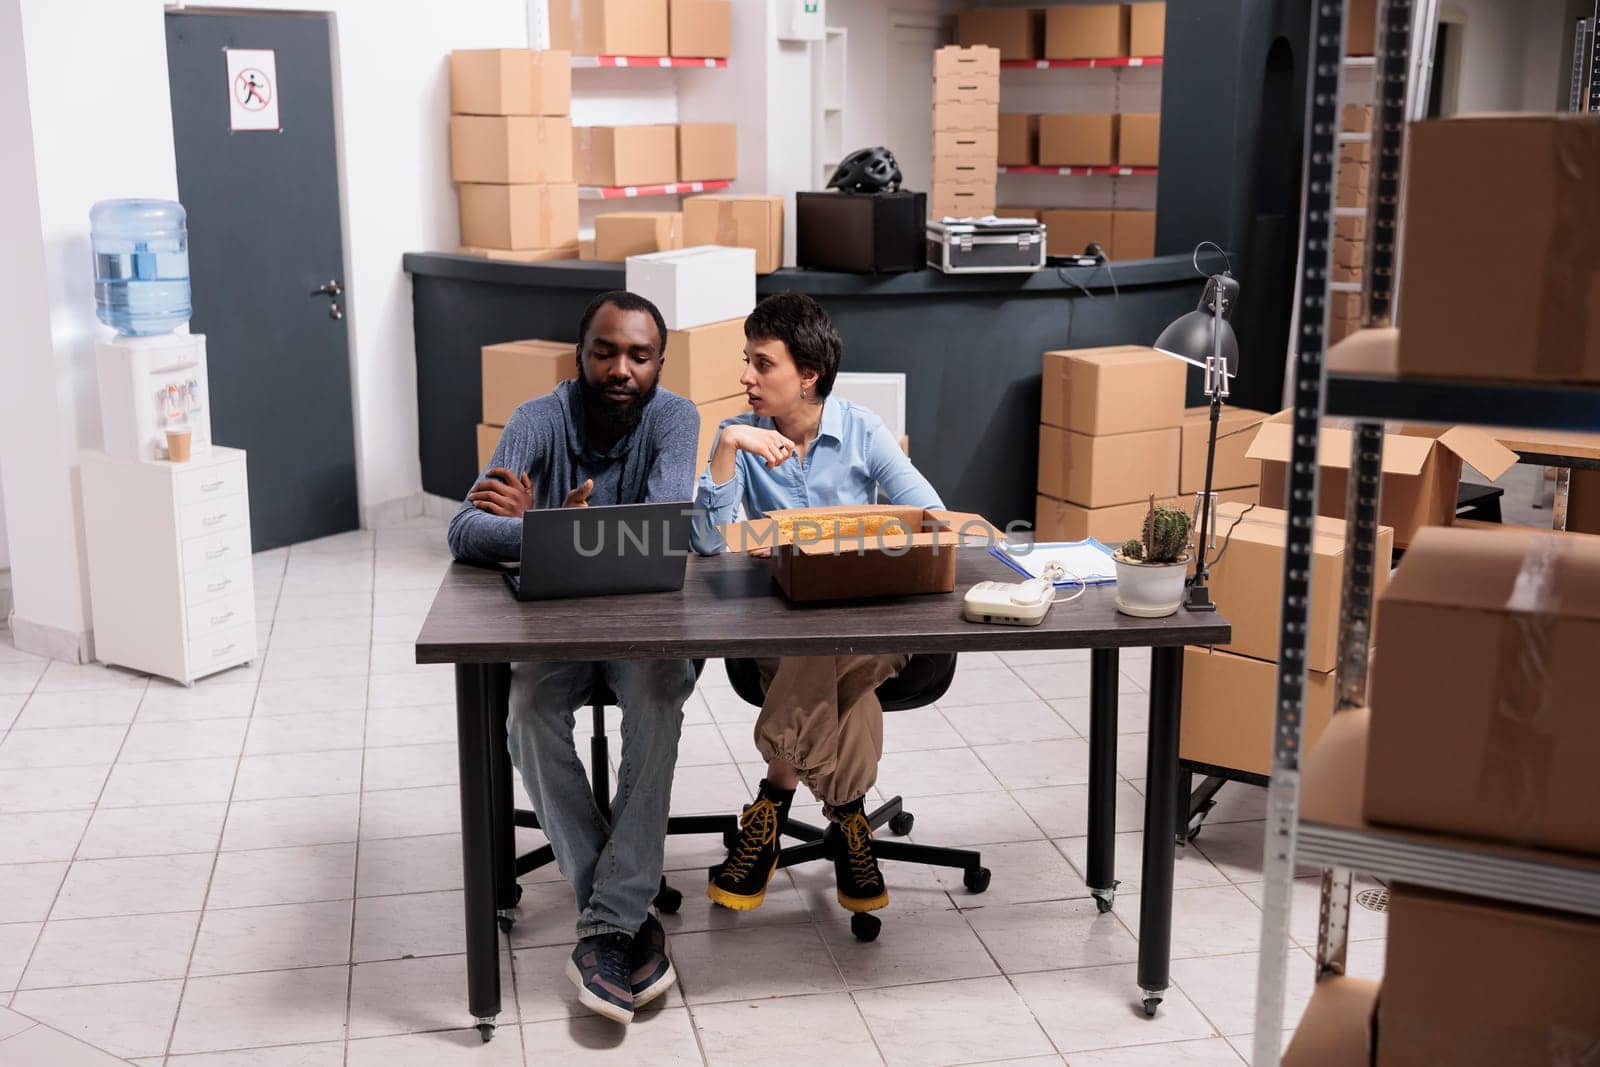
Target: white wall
1512,54
85,115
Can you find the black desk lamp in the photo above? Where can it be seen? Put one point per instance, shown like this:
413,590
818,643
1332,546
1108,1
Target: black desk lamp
1204,338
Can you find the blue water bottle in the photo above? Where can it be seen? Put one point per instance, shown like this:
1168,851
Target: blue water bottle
141,265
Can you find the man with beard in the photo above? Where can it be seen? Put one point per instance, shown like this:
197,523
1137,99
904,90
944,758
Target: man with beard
610,436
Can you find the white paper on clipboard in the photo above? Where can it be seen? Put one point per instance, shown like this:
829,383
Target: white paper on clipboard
1088,561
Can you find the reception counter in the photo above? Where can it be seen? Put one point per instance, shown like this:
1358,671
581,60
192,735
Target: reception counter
969,346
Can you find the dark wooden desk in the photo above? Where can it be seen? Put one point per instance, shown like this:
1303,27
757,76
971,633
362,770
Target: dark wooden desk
730,607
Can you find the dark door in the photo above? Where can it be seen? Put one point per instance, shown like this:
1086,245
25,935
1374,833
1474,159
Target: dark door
264,233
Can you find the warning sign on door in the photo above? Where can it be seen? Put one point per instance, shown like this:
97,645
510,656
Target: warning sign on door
252,89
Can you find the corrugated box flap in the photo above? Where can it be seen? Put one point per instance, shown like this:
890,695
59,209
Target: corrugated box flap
1479,449
1512,570
1401,455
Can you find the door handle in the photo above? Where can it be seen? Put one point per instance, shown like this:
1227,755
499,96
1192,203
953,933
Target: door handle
328,288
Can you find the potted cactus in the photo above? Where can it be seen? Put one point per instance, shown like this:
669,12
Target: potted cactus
1151,569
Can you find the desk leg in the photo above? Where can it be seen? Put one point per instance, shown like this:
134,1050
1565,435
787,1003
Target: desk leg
506,890
474,707
1160,812
1103,776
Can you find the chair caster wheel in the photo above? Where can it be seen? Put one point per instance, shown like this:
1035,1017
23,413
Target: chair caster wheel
486,1031
668,901
900,825
1150,1005
976,880
506,923
1102,904
865,927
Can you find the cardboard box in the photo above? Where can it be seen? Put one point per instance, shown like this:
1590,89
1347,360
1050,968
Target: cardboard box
964,117
1139,139
954,62
1350,228
1337,1028
518,371
737,221
1228,706
1033,213
1357,118
1420,474
1015,32
1530,998
1077,140
586,248
1351,190
525,255
1147,29
889,563
1133,234
488,441
1236,429
967,145
968,89
1355,151
1247,582
1538,322
961,199
1344,306
712,414
1349,253
518,217
704,363
609,27
1361,27
625,155
510,149
1068,231
510,81
1093,472
1085,31
1018,143
1489,639
707,151
700,28
1058,520
696,286
1583,502
1113,390
620,234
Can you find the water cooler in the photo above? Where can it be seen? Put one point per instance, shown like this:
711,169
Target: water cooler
148,386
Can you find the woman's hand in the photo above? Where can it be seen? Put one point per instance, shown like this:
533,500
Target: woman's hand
770,446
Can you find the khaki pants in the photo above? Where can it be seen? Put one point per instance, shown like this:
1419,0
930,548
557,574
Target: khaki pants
822,715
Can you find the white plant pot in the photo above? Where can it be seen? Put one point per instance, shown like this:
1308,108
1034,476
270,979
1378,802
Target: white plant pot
1149,590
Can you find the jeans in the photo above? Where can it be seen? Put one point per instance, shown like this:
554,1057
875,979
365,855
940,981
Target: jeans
614,868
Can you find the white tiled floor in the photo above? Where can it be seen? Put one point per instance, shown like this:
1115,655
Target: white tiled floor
264,870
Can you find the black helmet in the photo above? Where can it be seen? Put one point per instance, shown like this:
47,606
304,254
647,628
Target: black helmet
867,170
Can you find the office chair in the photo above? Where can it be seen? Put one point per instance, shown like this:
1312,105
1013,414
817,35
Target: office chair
923,681
509,866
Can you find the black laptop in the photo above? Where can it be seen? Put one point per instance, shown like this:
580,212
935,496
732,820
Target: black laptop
598,551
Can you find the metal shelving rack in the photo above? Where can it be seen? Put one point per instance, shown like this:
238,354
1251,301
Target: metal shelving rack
1346,844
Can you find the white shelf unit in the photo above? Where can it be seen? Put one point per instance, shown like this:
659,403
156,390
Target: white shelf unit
828,97
171,582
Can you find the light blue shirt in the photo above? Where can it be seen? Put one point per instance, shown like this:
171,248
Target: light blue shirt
853,457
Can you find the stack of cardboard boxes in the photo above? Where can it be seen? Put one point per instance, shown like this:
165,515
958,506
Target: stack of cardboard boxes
1077,31
695,28
511,153
1228,691
1480,731
1109,439
516,372
966,131
655,154
1350,231
704,293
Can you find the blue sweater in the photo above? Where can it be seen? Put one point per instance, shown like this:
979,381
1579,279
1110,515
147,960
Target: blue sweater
654,463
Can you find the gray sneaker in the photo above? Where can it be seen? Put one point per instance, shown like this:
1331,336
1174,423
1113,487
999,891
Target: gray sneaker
599,968
652,973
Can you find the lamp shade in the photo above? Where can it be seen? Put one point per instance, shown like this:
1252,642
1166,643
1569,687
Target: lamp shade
1189,339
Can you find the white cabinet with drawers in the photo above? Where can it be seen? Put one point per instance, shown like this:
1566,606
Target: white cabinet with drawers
170,578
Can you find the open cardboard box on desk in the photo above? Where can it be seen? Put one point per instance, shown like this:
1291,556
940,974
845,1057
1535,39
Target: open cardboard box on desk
811,564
